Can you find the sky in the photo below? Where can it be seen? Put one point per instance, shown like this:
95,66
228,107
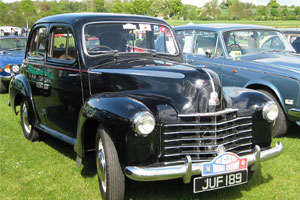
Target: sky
200,3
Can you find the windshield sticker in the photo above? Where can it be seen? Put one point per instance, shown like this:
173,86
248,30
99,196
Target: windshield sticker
129,26
145,27
163,29
235,53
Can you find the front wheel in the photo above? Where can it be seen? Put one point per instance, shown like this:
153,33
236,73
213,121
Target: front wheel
29,132
281,124
110,176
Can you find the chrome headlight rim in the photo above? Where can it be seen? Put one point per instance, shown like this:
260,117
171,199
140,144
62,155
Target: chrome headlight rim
270,111
138,123
15,68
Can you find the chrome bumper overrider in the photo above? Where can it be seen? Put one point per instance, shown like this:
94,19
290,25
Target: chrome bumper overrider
294,112
187,170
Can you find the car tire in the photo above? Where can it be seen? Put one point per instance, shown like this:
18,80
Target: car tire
110,176
3,87
281,124
29,131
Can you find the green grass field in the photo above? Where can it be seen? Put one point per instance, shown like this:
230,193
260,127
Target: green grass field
276,24
46,170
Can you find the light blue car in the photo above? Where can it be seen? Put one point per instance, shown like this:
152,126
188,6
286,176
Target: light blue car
249,56
12,52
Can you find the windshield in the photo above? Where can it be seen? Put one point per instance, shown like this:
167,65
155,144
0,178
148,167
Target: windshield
13,44
243,42
101,38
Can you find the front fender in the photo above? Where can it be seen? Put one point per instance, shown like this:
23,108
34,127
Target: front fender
19,90
251,102
111,110
279,86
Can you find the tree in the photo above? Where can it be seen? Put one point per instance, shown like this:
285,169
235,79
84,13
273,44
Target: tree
99,6
274,12
297,10
3,13
273,4
27,7
212,10
239,10
285,12
175,8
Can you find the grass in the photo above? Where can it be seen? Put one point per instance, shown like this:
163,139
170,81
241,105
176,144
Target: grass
276,24
47,170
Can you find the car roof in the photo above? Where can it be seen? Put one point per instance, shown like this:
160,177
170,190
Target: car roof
222,27
82,18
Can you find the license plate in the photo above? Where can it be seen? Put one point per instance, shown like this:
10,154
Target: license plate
202,184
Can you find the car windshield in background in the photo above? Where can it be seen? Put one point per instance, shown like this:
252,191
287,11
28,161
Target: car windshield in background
243,42
13,44
101,38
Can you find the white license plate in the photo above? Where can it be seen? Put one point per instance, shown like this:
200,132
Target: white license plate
202,184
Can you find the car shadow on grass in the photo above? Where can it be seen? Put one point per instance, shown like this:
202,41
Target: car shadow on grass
88,165
176,189
293,132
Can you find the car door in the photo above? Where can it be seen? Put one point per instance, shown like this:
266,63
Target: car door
202,48
34,67
62,82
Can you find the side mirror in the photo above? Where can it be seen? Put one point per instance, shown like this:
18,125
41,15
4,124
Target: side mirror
208,53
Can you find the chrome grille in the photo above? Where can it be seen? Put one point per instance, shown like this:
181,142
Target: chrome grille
200,134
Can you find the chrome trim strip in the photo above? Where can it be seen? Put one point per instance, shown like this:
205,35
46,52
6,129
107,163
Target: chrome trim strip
211,114
209,124
58,135
294,112
189,169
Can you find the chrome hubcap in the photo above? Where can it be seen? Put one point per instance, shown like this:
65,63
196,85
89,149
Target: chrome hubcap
27,126
101,165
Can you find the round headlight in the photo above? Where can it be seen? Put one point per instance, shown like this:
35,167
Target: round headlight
270,111
7,69
144,123
15,68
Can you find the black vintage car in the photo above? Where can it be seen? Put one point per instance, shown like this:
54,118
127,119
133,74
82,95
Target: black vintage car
115,84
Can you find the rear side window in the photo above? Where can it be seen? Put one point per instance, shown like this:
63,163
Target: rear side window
38,42
62,44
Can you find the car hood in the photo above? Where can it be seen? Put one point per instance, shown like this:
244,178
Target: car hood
11,57
286,64
184,87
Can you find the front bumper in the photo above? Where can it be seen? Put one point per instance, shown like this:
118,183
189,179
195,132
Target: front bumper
5,78
188,169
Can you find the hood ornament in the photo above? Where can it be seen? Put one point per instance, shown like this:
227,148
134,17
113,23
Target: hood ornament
214,99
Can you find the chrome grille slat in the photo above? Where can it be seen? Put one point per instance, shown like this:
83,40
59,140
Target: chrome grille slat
213,131
206,138
199,135
208,124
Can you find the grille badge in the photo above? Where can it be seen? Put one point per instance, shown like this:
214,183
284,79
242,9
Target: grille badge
221,149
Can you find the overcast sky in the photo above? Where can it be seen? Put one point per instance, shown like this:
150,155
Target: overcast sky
200,3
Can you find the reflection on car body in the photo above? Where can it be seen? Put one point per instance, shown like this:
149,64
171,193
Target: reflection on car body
119,92
250,56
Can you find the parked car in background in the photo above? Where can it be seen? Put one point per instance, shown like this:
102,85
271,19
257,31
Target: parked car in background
249,56
118,86
12,51
293,36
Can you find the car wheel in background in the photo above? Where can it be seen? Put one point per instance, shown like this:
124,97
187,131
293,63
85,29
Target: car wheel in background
3,87
29,132
281,124
110,176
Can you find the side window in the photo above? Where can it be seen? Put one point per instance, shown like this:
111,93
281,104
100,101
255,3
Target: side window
219,50
38,42
62,44
205,40
185,39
